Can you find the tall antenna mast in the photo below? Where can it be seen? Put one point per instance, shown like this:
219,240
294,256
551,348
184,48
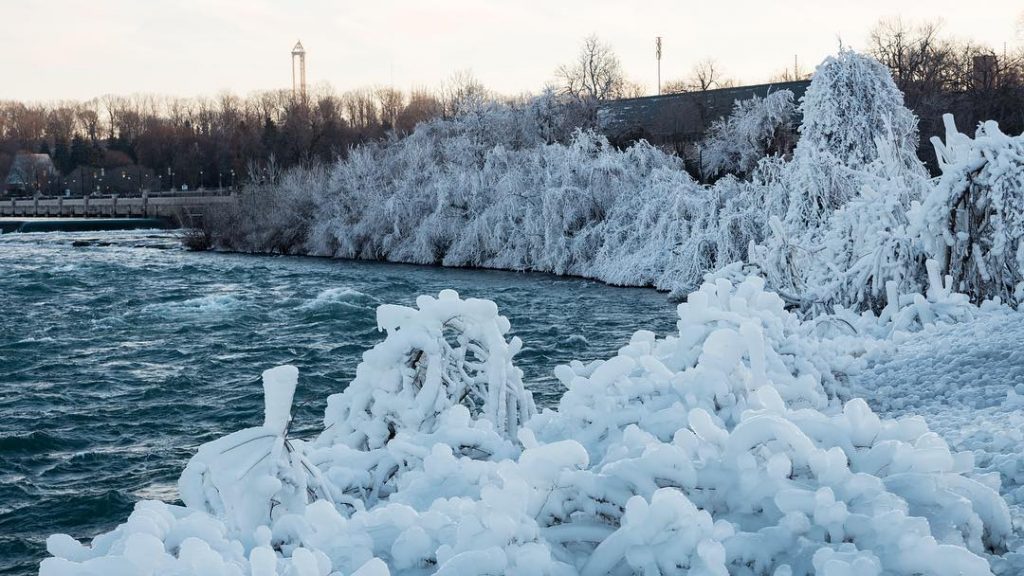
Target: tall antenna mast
299,83
657,52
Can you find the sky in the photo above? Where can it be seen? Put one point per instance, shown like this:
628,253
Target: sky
79,49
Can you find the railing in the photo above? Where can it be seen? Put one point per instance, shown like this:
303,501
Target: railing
168,204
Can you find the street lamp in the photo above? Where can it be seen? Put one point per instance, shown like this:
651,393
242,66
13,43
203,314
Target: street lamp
232,178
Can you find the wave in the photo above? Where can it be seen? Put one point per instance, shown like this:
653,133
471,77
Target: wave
212,305
344,297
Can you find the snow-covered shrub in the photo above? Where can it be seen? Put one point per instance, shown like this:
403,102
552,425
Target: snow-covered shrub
861,246
255,475
851,108
758,127
444,374
508,186
939,303
972,220
784,471
842,233
582,208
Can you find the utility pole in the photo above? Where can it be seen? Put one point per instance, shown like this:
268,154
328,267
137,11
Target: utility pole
657,52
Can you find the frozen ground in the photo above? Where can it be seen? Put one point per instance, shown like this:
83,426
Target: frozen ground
967,381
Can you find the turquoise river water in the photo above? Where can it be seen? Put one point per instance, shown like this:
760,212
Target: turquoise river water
120,354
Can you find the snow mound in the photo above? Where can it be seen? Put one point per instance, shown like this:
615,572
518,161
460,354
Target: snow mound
721,449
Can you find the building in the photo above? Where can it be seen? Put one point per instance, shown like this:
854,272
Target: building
985,72
29,174
678,120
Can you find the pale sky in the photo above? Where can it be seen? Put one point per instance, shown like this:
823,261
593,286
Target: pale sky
78,49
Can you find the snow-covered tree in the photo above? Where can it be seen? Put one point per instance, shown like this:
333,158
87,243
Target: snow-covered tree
851,105
757,127
972,220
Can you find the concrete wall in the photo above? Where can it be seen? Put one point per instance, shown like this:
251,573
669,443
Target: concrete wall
678,119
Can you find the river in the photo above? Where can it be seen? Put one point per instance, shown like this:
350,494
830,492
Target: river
121,355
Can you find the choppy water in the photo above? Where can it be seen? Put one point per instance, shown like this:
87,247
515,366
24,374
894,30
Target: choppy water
117,361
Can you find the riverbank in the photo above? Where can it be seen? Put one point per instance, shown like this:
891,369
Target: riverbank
728,444
117,359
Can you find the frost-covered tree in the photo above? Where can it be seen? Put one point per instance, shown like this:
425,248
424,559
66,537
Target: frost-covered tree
851,105
852,102
972,221
838,209
868,248
517,186
757,127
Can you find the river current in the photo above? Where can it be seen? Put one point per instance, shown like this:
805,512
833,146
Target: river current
120,355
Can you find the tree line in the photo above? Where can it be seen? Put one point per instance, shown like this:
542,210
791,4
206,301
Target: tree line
939,74
207,142
201,142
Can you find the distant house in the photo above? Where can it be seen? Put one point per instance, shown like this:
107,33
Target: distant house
677,120
30,173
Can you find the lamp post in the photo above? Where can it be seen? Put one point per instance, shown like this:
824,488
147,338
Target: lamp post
199,186
232,179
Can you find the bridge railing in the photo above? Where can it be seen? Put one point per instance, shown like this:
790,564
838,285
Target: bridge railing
205,192
113,205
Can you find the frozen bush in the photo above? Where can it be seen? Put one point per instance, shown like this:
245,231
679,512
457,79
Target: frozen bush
972,221
721,449
758,127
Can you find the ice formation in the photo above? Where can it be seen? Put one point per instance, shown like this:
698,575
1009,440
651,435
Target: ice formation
721,449
730,447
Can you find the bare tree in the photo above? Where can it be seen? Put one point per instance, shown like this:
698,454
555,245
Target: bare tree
462,92
913,54
360,108
423,105
705,75
391,103
676,87
632,89
596,73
